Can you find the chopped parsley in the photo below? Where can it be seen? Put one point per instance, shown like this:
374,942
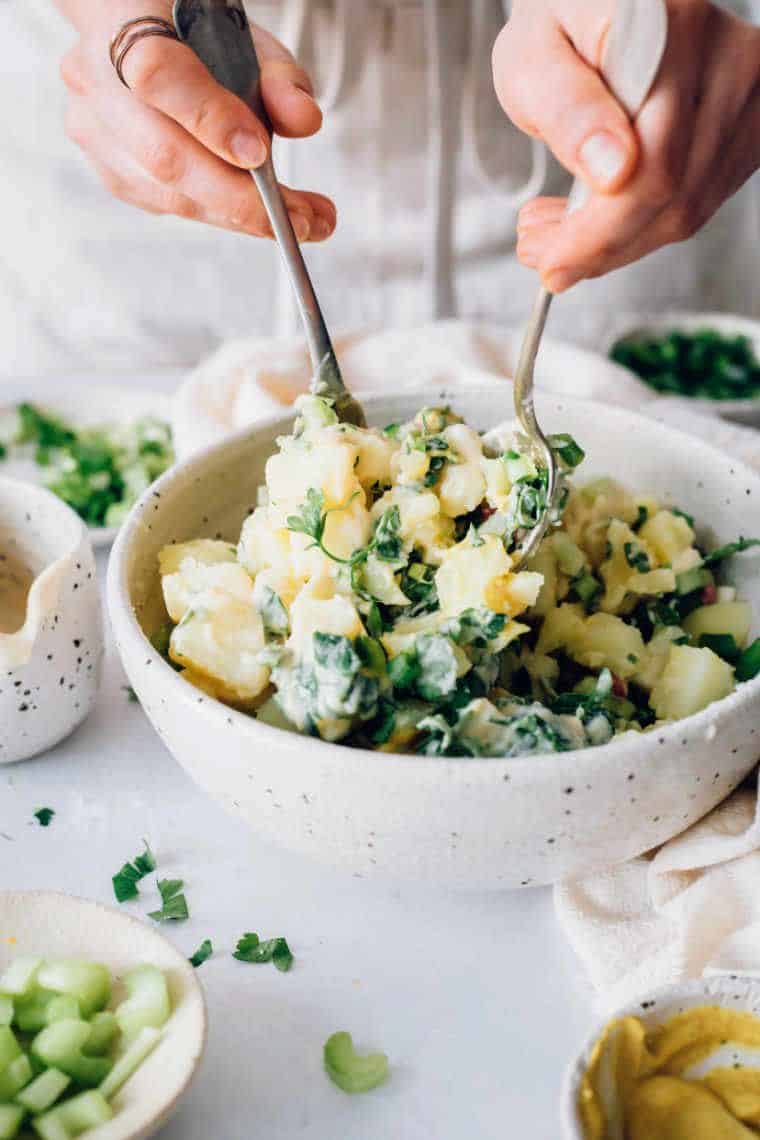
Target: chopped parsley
636,558
202,954
729,550
101,471
44,816
311,520
125,881
251,949
173,902
704,363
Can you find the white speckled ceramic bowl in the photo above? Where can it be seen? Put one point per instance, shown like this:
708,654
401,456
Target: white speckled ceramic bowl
50,665
59,926
740,411
484,823
732,991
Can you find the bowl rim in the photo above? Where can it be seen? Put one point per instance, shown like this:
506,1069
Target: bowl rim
195,991
683,320
125,622
712,987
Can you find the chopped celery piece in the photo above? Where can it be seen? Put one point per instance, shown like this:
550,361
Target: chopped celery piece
88,982
143,1045
6,1009
44,1090
103,1030
9,1047
60,1046
695,579
348,1070
31,1011
20,976
73,1117
147,1004
62,1006
14,1077
11,1116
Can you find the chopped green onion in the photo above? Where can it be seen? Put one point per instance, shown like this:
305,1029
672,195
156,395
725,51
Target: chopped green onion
276,950
729,550
202,954
704,364
349,1071
567,449
723,644
586,588
44,816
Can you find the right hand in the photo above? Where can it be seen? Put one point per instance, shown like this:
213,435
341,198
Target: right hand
177,142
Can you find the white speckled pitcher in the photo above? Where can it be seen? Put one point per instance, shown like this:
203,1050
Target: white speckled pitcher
51,631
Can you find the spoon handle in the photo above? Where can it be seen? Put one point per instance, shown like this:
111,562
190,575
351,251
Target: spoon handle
219,33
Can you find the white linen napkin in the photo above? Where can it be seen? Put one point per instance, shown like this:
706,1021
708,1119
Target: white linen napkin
692,907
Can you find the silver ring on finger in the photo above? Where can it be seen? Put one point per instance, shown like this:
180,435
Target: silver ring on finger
131,33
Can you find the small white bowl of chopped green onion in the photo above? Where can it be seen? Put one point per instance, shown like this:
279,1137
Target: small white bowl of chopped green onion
710,359
97,447
102,1021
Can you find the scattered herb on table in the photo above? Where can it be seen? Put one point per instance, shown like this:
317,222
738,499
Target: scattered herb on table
704,364
202,954
125,881
251,949
99,471
131,695
44,816
348,1070
173,902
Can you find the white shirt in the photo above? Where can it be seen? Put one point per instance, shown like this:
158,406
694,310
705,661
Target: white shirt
426,171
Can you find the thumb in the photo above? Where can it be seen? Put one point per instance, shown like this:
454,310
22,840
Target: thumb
550,92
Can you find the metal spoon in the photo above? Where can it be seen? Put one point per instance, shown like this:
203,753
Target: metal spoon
632,56
219,33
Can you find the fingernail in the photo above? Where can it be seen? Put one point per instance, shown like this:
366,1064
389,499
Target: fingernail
301,225
248,148
603,156
321,229
561,279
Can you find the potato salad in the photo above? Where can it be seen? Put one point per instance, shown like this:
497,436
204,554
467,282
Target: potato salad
373,598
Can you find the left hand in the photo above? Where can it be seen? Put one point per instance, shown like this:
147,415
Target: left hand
695,142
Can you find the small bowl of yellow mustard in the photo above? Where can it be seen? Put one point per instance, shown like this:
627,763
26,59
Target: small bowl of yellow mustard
680,1064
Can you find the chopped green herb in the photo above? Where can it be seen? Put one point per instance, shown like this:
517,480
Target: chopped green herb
567,449
704,364
348,1070
273,612
636,558
44,816
125,881
392,430
683,515
173,902
721,643
132,696
748,665
202,954
586,588
729,550
641,518
276,950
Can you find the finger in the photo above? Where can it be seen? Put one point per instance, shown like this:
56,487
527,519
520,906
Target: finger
532,243
549,91
169,77
172,157
286,89
539,212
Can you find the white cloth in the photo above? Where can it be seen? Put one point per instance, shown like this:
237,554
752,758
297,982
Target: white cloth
426,171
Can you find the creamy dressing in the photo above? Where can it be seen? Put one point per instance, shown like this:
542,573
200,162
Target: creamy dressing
15,583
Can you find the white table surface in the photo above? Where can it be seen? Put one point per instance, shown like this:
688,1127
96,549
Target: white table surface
476,998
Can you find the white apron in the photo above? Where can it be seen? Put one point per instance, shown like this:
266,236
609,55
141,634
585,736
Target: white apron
426,172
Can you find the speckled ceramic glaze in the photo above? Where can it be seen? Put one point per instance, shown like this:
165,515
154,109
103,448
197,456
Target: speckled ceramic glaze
61,926
50,666
486,823
732,991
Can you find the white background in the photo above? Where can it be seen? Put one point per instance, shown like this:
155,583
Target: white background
476,998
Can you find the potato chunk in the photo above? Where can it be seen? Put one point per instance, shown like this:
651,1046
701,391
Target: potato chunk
472,576
194,578
220,639
691,680
208,551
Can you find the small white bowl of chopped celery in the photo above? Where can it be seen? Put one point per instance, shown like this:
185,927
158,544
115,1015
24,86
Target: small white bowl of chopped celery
354,663
711,360
97,447
102,1021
